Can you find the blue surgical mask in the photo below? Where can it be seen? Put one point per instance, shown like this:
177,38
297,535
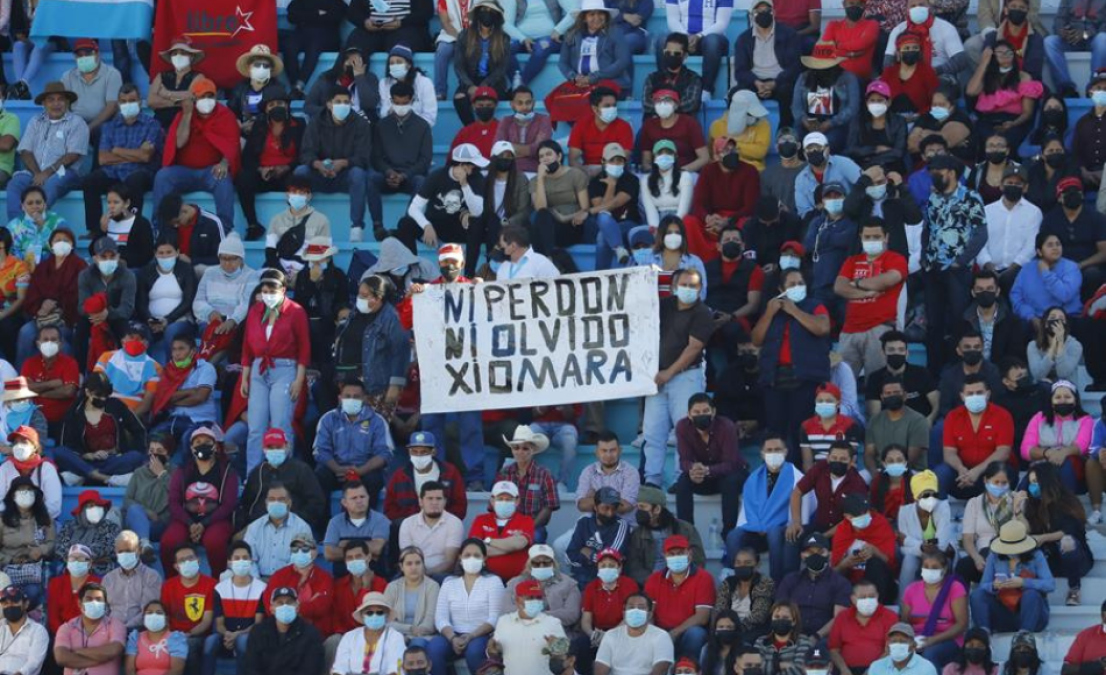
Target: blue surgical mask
677,563
341,111
20,406
643,256
524,117
876,192
189,568
687,295
997,491
919,14
357,568
241,568
276,457
374,621
107,267
297,201
276,510
127,560
1034,490
899,651
167,264
616,170
301,559
352,406
504,510
130,110
155,623
608,575
636,618
533,608
1098,96
77,568
938,113
834,206
665,162
976,403
796,293
608,115
542,573
861,522
285,614
894,470
94,609
825,409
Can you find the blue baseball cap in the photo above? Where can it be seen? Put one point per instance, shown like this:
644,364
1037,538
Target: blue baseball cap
422,439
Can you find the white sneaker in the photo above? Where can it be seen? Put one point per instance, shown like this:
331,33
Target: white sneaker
672,438
120,481
1095,518
621,255
639,442
71,479
706,96
356,234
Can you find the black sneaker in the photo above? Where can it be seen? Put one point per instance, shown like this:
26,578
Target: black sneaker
254,232
20,91
380,233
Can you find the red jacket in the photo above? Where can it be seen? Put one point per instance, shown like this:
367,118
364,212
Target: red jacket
316,595
401,500
733,193
64,604
291,338
879,534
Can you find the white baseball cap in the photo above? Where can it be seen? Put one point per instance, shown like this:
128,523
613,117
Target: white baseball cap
505,487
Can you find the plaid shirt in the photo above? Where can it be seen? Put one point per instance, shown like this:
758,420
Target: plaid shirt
402,500
536,491
118,134
48,142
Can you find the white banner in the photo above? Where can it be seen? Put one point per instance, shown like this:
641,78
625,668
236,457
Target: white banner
517,344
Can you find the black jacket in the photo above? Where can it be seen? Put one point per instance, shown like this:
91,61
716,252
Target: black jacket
308,501
129,432
1010,337
326,139
255,142
207,234
406,147
899,210
788,47
366,86
766,241
467,71
147,276
322,299
297,652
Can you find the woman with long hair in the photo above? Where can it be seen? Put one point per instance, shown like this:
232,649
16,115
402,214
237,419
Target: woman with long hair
984,515
415,597
155,650
1005,96
350,70
1048,280
748,594
401,68
877,135
1060,435
670,254
468,607
374,340
784,647
725,639
1058,522
923,527
1052,165
506,202
27,535
890,489
946,119
481,58
559,195
1053,121
593,50
1054,354
937,608
666,190
975,658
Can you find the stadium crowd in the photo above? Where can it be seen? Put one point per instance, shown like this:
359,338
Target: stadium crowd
909,272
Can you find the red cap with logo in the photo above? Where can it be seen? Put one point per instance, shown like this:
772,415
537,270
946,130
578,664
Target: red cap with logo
274,438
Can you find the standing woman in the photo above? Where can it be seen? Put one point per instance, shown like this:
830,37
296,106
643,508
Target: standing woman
170,87
276,350
385,347
506,202
559,194
482,57
593,50
468,608
155,650
401,68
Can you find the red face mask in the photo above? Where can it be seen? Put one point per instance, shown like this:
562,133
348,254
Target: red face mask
134,347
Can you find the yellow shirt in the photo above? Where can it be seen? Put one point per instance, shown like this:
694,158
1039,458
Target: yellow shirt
752,144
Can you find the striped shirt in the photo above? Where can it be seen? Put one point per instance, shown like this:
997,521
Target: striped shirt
386,11
464,612
131,376
48,140
238,604
696,17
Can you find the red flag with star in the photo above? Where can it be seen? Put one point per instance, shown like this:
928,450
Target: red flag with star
223,30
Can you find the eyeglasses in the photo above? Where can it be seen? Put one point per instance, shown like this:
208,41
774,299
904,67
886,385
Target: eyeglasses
301,549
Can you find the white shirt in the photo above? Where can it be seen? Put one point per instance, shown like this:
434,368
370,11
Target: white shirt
667,202
522,641
425,102
946,41
25,651
532,265
165,295
464,612
626,655
1011,234
447,533
387,659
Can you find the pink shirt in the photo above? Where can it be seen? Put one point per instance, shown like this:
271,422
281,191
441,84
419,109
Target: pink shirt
1009,101
1032,437
920,607
72,636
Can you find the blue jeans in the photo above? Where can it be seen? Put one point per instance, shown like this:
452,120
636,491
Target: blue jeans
470,428
376,202
213,649
116,465
27,58
612,234
443,61
989,613
564,437
238,434
441,653
55,187
160,344
637,40
662,411
946,479
25,346
353,181
713,49
270,405
139,522
542,49
1056,47
181,179
778,550
690,644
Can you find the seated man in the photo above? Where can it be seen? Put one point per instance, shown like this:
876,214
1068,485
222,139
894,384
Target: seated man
975,434
129,152
183,399
196,233
710,461
604,531
270,535
727,189
204,152
684,595
817,590
335,155
93,641
864,546
282,467
52,375
945,52
313,585
920,391
443,208
674,75
859,633
594,132
635,645
734,283
133,373
402,151
829,425
1076,28
902,648
969,347
352,445
282,641
401,497
1004,334
481,131
28,656
96,85
830,480
51,149
1012,226
355,523
434,531
131,585
1085,654
525,129
521,637
645,554
766,59
506,531
189,598
350,588
896,424
533,480
822,168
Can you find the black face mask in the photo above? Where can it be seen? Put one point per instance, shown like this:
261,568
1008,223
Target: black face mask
726,635
1056,160
911,58
702,422
731,250
1022,659
484,114
975,655
986,299
504,164
896,361
552,167
98,402
731,161
204,452
839,469
1013,193
1053,117
972,357
1063,409
748,360
486,19
1024,383
449,273
604,521
13,613
416,671
643,518
743,573
1016,16
753,671
854,13
815,563
782,626
940,183
1072,199
764,19
673,61
787,149
893,403
278,114
816,157
997,156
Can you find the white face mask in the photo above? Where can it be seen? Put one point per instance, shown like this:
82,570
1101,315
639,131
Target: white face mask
472,565
23,452
94,514
421,462
363,305
180,61
877,109
774,460
672,241
402,110
61,248
25,498
932,576
259,72
205,106
49,349
665,109
867,606
872,247
271,299
927,504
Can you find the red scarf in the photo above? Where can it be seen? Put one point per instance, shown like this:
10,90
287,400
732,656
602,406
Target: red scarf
212,343
25,468
922,31
101,339
172,377
1016,41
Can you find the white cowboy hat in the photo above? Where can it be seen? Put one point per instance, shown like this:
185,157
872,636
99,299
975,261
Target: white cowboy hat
596,6
523,434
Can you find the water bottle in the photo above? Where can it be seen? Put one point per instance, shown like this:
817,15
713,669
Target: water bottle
516,81
714,535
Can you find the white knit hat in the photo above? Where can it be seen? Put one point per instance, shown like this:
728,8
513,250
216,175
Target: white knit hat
232,245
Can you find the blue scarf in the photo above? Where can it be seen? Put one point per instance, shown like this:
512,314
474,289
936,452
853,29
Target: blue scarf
763,510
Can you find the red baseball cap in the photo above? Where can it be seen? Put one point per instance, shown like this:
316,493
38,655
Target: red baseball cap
609,553
86,43
530,588
829,388
274,438
794,246
686,662
27,432
485,92
666,93
1069,182
451,252
676,541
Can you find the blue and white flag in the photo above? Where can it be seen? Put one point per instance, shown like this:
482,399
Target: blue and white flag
115,19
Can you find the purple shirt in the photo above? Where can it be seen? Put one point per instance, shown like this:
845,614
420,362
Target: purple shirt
539,129
720,452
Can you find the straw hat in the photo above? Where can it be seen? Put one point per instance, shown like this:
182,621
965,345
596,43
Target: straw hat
824,56
182,43
259,52
1013,539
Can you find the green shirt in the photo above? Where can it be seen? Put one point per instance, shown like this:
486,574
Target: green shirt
9,126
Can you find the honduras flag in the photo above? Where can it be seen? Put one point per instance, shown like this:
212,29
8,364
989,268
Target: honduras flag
115,19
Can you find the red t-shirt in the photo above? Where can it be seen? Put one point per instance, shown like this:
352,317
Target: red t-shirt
606,606
316,594
589,139
676,603
785,343
796,13
867,313
345,601
509,566
860,645
65,369
859,38
274,155
687,134
1089,645
186,606
480,134
974,446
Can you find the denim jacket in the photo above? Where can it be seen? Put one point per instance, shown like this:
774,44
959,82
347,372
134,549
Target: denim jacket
613,56
385,352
